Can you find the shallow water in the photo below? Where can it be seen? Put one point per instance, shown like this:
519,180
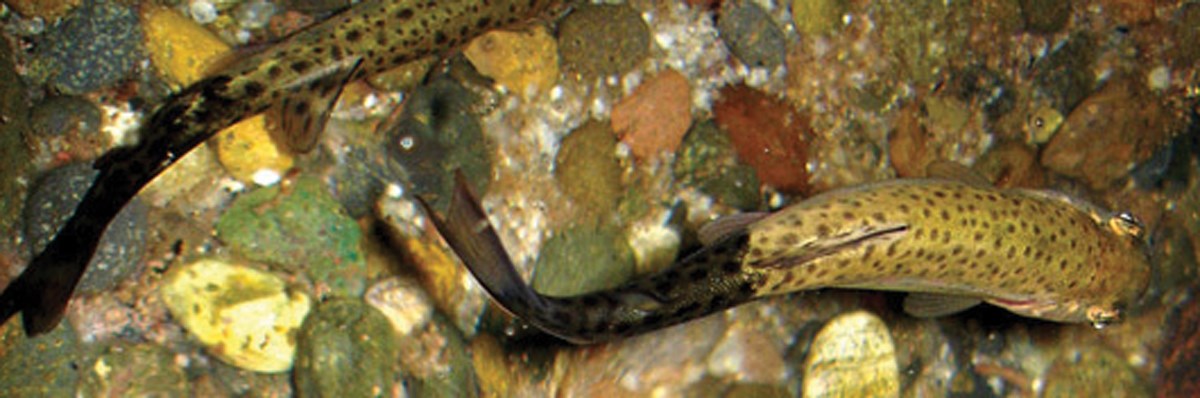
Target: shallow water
601,140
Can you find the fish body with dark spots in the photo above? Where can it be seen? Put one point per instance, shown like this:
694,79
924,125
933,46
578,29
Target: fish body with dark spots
950,244
1037,254
301,76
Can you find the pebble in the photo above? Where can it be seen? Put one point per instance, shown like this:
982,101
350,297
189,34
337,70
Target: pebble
67,124
1064,76
1178,375
1104,137
768,135
816,17
96,45
15,156
437,362
1093,372
403,301
524,62
852,356
588,171
1045,16
346,348
583,259
449,285
1187,30
53,200
245,317
909,143
751,34
44,366
655,117
300,229
135,370
598,41
707,160
1011,164
49,10
1042,124
246,149
182,50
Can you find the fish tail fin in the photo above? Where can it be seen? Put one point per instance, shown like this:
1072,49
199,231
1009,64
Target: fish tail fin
467,230
42,291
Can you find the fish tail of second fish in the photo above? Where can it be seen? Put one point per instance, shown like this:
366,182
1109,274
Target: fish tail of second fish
704,282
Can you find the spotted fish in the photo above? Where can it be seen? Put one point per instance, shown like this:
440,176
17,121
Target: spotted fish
301,77
951,244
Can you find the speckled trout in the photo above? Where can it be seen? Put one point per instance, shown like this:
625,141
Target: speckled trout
301,76
950,244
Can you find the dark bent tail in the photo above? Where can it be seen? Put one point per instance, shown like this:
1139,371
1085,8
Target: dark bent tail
42,291
707,281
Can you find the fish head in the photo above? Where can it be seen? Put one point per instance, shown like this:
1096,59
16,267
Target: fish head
1122,270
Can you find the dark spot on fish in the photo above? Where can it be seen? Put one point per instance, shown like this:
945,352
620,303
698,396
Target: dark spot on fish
823,230
274,71
301,66
300,108
756,252
254,89
903,208
879,217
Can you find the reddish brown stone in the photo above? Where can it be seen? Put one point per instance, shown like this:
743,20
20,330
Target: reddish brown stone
1178,375
908,144
656,116
768,135
1011,164
1110,131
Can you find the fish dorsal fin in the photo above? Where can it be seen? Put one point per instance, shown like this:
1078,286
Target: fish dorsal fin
306,105
947,170
932,305
717,229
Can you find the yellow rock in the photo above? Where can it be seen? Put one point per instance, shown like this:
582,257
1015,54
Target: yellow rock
520,61
245,317
49,10
246,148
852,356
182,49
185,52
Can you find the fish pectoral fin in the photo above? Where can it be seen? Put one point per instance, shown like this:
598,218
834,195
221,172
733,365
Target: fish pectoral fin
931,305
948,170
720,228
306,105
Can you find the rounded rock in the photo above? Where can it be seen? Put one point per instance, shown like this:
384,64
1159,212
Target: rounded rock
53,200
852,356
245,317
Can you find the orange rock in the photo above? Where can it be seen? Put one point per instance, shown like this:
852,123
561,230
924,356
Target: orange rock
656,116
908,143
1011,164
768,135
1106,135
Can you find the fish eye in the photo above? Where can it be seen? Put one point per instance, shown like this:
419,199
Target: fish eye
1128,224
1101,317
